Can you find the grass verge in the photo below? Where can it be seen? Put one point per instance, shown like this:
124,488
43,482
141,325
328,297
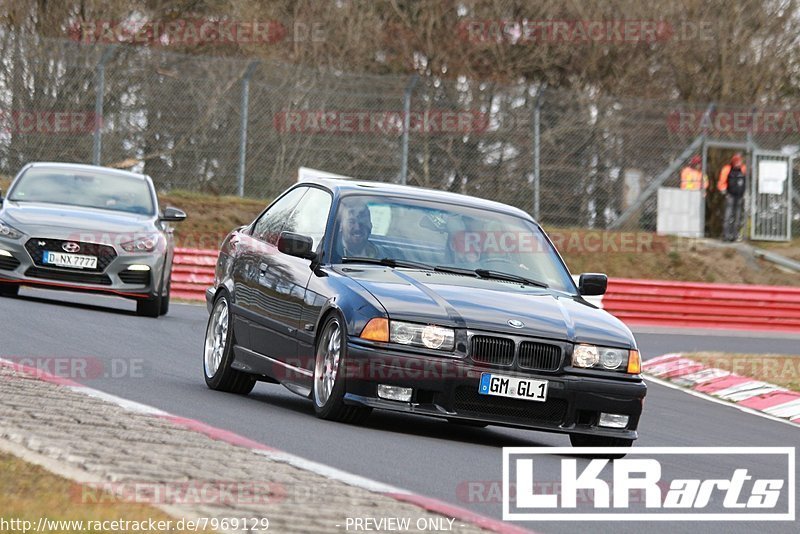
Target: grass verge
29,492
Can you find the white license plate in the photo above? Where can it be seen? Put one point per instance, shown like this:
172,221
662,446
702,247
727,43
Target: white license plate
516,388
75,261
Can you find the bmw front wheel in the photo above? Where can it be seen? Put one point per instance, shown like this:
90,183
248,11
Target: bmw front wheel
218,353
329,380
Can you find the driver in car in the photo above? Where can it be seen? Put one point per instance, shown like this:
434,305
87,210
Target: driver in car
355,227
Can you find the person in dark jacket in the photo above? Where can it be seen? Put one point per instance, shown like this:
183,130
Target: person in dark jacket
733,182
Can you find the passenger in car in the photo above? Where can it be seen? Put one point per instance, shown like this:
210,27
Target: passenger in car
463,243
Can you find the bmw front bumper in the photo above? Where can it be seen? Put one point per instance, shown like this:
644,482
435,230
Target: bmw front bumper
447,387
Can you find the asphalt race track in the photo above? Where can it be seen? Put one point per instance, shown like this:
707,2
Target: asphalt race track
159,362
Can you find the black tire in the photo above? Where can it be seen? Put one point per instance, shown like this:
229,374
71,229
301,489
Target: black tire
9,290
584,440
333,407
466,422
148,307
165,301
224,378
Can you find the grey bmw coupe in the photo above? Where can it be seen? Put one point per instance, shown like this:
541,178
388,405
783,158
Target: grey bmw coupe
364,295
87,228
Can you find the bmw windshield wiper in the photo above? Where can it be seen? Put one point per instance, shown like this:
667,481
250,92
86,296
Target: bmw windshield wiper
455,270
500,275
389,262
487,273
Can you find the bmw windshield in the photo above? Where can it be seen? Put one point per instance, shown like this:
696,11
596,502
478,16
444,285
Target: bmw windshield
85,189
447,237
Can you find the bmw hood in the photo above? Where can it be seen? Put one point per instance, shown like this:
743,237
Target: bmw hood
489,305
34,218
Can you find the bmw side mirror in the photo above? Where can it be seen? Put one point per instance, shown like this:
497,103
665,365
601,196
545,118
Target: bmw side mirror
590,284
173,215
296,245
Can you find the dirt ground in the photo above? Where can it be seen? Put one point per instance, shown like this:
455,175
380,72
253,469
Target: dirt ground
209,218
649,256
29,492
790,249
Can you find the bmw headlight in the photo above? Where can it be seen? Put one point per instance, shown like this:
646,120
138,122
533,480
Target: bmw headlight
611,359
9,232
145,243
585,356
420,335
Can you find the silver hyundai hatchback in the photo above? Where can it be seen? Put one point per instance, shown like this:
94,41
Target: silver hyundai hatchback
87,228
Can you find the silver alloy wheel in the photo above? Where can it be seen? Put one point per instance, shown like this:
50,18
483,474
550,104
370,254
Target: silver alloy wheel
326,366
216,338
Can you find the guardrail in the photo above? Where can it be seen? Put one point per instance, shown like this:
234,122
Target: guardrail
636,302
701,305
192,273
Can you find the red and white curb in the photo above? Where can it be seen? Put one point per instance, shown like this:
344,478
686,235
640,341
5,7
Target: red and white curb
719,384
402,495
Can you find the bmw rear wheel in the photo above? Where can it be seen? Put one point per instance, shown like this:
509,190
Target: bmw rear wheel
329,380
218,353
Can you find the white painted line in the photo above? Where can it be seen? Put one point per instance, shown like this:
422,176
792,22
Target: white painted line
671,366
764,390
125,404
701,377
789,410
331,472
663,357
739,407
745,390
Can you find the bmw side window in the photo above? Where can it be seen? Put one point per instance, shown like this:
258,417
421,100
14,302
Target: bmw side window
271,223
311,215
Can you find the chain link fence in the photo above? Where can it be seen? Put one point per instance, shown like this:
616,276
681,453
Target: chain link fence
237,126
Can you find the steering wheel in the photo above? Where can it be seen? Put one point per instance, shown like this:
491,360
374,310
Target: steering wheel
497,259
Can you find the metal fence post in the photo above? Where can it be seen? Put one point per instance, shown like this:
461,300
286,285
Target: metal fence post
704,169
100,89
537,110
248,73
412,82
